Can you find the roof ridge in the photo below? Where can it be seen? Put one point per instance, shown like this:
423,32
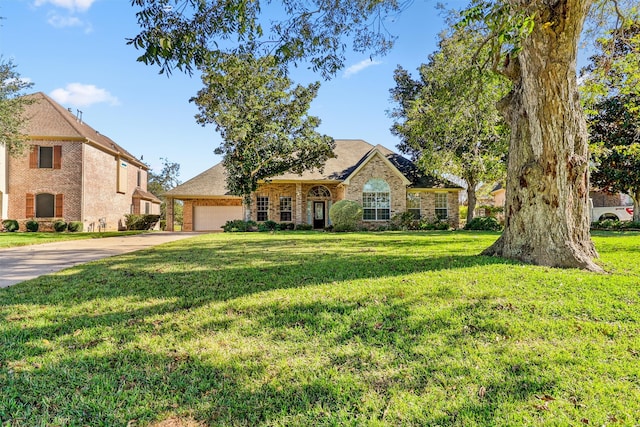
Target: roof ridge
64,113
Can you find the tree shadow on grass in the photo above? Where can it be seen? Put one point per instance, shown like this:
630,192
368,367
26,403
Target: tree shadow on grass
339,362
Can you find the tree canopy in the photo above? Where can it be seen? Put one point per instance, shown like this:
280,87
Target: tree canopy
615,132
263,120
448,120
12,105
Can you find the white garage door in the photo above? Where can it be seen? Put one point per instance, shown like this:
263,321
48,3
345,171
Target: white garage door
209,218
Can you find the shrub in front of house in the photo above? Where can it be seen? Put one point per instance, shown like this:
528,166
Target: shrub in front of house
268,225
74,226
32,225
304,227
59,226
483,223
345,215
141,222
404,221
239,226
10,225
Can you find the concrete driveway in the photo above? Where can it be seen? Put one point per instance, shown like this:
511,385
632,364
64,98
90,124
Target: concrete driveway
27,262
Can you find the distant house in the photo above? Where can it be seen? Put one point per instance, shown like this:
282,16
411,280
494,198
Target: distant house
71,172
499,194
384,182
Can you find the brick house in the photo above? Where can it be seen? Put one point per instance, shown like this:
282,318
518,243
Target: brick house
71,172
384,182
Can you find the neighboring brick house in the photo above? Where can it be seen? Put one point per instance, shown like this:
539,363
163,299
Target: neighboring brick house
71,172
384,182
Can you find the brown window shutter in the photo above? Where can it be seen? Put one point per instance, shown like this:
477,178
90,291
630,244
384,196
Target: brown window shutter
31,212
57,156
59,201
33,157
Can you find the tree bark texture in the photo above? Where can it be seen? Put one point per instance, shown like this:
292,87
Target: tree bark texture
547,221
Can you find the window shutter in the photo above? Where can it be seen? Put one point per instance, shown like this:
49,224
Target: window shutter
31,212
33,157
59,201
57,156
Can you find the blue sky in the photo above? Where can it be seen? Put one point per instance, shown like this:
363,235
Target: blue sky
75,51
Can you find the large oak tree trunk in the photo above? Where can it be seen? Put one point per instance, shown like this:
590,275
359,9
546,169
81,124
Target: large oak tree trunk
547,221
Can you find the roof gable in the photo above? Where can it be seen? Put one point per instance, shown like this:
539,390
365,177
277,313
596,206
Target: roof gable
45,118
375,152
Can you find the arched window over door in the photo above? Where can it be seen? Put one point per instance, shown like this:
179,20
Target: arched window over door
319,191
376,200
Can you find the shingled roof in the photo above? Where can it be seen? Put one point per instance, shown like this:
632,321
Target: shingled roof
45,118
349,155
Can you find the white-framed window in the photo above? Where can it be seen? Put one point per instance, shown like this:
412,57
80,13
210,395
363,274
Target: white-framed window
376,200
413,204
285,209
262,208
319,191
442,205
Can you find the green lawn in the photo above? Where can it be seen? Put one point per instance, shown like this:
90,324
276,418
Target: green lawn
302,329
8,240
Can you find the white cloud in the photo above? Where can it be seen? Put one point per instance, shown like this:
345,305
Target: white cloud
59,21
355,69
82,95
71,5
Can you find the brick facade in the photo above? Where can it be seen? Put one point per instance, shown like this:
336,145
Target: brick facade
87,181
70,171
378,168
302,201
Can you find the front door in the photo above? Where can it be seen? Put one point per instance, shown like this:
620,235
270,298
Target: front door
318,215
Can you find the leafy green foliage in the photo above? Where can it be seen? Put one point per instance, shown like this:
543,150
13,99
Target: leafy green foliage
262,119
345,215
615,137
32,225
163,181
75,226
10,225
389,329
614,70
196,32
483,223
11,107
239,225
59,226
406,221
448,120
141,222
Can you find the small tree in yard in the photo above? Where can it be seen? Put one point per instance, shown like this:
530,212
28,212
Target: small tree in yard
615,136
611,94
263,122
448,120
164,181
